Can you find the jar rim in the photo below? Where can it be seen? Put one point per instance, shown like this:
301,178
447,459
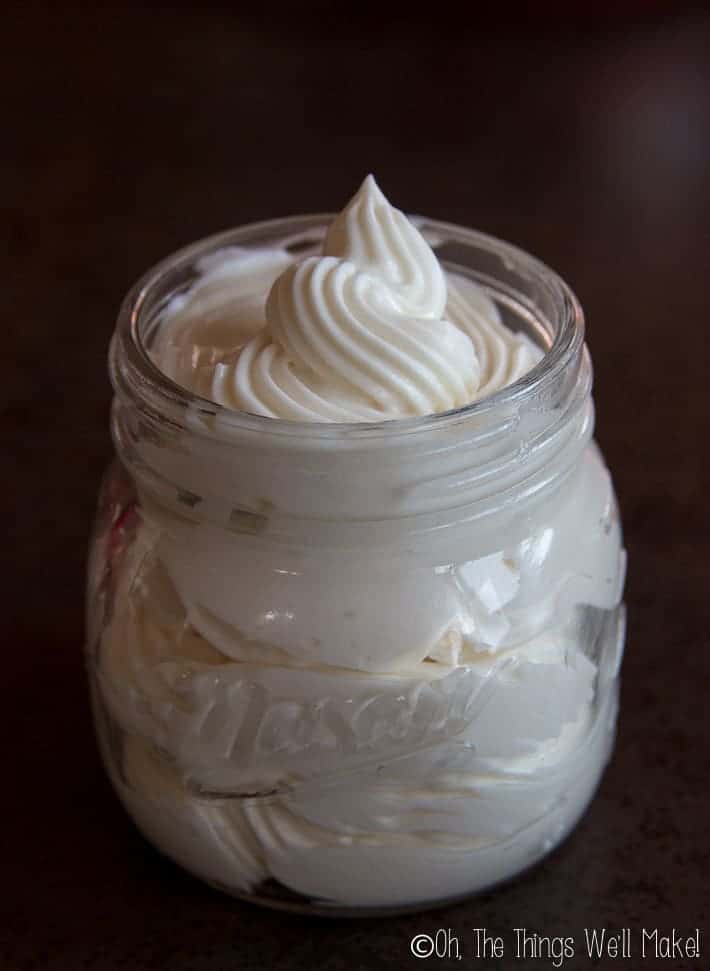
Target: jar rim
134,372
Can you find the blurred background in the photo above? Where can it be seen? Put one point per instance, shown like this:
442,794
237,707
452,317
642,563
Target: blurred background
582,136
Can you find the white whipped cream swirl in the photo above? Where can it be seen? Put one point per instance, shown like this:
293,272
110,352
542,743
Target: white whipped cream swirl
372,329
357,333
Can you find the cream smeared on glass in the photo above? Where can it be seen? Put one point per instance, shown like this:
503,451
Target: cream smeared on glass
367,331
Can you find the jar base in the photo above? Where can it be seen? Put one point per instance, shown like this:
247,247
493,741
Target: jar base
282,899
156,814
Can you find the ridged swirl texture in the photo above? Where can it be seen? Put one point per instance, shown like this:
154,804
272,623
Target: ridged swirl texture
357,334
372,329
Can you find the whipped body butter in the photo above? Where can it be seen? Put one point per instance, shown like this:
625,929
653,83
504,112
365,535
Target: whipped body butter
354,612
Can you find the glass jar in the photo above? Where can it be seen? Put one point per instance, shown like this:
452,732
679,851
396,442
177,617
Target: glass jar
357,668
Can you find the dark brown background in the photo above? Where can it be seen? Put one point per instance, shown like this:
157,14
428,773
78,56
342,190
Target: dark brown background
586,141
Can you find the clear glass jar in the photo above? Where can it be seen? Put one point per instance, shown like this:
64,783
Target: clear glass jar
357,668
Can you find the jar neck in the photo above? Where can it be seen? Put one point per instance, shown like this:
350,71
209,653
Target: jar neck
253,475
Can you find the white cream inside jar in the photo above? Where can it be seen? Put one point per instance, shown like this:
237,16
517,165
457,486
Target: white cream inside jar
367,655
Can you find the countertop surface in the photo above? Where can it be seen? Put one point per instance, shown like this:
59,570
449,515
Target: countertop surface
131,134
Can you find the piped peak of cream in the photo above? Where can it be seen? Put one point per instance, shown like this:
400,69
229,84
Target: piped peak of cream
356,334
380,239
363,332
